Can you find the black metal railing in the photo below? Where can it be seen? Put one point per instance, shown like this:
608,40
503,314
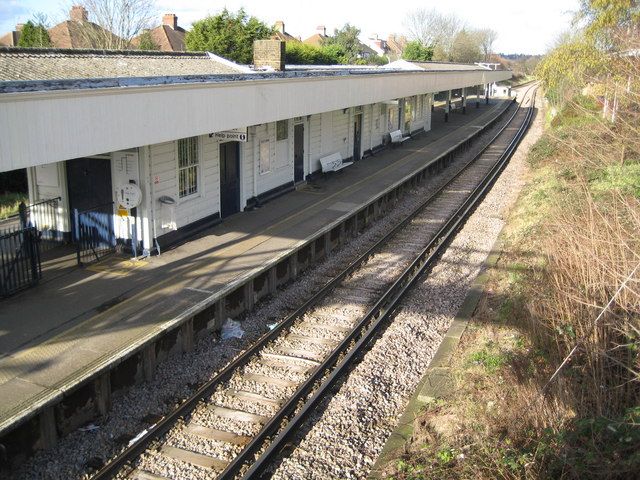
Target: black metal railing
94,233
44,216
19,260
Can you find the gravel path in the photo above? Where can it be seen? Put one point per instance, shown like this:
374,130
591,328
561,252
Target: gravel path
81,452
351,428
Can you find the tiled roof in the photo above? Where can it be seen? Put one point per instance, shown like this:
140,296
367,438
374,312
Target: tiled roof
366,49
10,39
168,39
285,37
316,40
396,43
74,34
53,64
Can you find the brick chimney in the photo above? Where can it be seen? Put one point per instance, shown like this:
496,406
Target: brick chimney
322,30
19,27
170,19
269,53
79,13
280,26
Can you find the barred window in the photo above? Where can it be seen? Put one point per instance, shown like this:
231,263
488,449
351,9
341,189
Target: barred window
188,163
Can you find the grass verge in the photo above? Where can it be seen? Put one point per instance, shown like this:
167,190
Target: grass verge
569,247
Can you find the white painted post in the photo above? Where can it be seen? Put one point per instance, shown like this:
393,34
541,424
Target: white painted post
429,109
447,106
464,100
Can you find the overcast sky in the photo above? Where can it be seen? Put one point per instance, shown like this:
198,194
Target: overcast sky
522,26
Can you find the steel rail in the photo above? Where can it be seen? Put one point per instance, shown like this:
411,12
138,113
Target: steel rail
377,316
167,422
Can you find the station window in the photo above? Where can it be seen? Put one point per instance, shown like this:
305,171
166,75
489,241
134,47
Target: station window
188,163
282,130
393,119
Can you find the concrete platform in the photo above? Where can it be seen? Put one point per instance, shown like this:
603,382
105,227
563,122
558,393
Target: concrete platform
64,337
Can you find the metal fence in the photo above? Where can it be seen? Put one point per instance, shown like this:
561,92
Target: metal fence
44,216
94,233
19,260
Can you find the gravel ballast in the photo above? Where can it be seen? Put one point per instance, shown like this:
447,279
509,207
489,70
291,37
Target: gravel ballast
350,429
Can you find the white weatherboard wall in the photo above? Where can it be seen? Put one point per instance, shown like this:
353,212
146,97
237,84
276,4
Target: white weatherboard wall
47,127
366,128
340,133
164,175
280,169
379,124
249,166
315,143
47,182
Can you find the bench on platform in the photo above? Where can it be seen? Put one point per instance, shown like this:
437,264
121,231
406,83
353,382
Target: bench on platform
333,163
397,138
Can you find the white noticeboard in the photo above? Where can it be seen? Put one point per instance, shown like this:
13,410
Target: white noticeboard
125,176
47,175
265,157
125,168
237,135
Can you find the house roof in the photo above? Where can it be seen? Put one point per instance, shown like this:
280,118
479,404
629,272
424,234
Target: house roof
366,49
284,36
316,40
167,38
20,64
81,34
10,39
396,43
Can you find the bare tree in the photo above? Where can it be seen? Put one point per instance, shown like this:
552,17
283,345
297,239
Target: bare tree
41,18
113,23
466,47
433,29
487,38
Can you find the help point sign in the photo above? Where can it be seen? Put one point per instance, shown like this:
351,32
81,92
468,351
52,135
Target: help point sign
236,135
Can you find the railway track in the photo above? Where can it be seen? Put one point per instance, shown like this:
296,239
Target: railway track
239,421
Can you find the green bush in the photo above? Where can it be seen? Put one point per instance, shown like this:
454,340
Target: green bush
34,35
230,35
10,202
417,52
298,53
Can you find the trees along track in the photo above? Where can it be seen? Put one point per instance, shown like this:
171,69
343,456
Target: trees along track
261,398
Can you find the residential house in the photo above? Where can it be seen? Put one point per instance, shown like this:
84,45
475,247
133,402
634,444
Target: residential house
281,34
318,38
79,32
377,44
11,39
169,37
395,45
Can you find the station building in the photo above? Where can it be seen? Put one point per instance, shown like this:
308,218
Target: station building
200,137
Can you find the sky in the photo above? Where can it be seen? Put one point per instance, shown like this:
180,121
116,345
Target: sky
522,26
